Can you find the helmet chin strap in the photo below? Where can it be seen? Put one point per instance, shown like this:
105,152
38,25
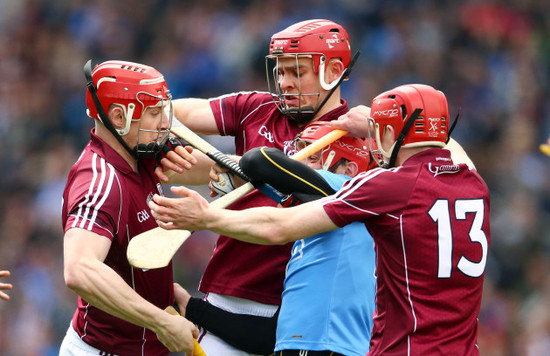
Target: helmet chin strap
306,114
399,142
142,150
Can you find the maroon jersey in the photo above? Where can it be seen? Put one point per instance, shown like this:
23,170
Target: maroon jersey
430,223
104,195
240,269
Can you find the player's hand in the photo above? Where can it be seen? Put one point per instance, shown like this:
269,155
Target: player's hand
355,121
290,200
177,333
175,156
5,286
182,298
216,169
187,213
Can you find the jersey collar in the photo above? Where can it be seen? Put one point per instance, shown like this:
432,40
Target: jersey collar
434,155
109,154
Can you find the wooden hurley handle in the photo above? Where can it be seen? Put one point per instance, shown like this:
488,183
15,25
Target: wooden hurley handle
197,349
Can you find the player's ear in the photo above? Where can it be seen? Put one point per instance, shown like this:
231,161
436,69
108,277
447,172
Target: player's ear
116,115
352,169
389,131
334,70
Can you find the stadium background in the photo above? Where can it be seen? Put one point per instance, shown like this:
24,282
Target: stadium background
491,58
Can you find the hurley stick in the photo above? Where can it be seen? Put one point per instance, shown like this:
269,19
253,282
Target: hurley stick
197,349
156,247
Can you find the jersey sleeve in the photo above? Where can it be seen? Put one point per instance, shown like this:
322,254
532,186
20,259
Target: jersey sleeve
95,204
232,109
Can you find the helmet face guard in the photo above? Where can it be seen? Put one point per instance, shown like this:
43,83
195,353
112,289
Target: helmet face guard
134,88
149,149
302,114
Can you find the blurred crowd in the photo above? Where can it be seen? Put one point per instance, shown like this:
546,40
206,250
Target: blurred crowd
491,58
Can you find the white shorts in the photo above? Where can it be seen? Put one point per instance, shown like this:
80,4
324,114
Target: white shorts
213,345
73,345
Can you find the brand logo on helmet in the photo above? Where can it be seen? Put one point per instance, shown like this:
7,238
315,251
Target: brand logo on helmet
388,113
332,40
280,42
356,150
434,126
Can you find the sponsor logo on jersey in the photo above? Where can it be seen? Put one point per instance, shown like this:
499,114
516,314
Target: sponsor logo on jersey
263,131
143,215
446,168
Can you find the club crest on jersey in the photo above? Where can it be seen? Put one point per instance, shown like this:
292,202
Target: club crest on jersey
289,147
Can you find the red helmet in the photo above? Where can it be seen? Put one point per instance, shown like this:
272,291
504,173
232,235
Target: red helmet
351,148
314,37
395,106
321,40
133,86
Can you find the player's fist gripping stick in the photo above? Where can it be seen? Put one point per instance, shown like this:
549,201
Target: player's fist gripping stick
225,183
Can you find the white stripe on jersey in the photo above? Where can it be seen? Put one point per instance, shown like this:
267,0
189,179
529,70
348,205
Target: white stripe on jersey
221,97
87,203
253,111
223,119
238,93
86,198
107,191
98,189
357,182
407,274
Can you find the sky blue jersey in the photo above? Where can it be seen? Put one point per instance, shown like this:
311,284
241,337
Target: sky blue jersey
330,284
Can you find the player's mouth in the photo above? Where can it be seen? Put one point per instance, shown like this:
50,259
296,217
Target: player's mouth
292,100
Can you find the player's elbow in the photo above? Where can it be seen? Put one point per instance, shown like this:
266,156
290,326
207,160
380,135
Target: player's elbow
72,280
278,235
75,275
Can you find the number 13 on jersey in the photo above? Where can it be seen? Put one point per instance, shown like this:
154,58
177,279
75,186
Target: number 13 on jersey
441,215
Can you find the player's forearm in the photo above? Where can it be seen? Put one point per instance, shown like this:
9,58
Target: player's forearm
256,225
196,114
267,225
102,287
197,175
